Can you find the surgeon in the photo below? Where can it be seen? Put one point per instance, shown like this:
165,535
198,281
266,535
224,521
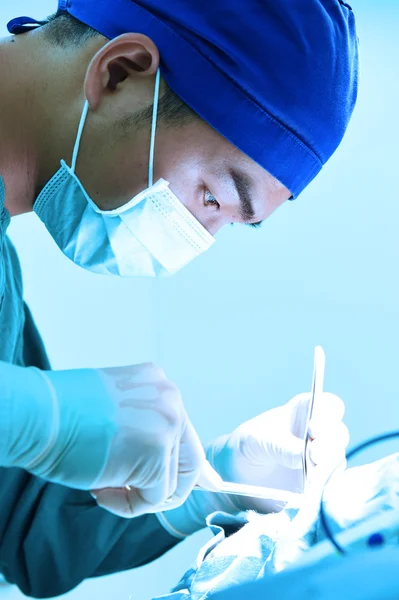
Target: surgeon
135,130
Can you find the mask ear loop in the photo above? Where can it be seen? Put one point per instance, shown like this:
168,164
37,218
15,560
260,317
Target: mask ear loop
153,132
153,129
79,136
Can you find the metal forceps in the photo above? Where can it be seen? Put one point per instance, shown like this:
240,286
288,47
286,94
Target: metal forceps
319,364
277,494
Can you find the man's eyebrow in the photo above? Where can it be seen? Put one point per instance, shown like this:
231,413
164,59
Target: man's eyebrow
243,186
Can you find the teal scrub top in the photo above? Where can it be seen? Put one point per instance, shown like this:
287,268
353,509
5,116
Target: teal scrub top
53,537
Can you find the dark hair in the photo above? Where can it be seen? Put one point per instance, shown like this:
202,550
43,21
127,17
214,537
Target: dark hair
63,30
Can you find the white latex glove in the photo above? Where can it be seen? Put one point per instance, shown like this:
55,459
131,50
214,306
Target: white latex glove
102,428
267,451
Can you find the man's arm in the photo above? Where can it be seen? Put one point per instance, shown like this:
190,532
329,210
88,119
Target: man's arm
52,537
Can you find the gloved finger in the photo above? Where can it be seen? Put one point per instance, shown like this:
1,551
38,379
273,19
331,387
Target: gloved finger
209,479
128,503
191,461
115,500
328,448
173,471
328,408
336,434
297,411
132,376
157,493
287,450
277,434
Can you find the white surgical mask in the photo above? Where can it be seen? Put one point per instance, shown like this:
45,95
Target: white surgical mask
154,234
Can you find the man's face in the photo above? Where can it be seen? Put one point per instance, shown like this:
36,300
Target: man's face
216,182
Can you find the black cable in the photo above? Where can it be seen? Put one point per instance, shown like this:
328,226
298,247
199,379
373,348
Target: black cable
356,450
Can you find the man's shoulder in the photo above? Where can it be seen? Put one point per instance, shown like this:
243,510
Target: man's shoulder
4,214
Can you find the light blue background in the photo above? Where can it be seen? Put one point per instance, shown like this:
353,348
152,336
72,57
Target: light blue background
236,329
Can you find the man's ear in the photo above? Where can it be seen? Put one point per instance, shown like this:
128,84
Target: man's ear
129,55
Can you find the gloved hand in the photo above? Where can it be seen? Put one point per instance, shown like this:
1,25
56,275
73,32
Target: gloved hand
102,428
267,451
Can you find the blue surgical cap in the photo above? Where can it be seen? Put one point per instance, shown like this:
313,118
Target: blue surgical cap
277,78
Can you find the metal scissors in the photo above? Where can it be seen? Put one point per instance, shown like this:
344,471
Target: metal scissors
319,364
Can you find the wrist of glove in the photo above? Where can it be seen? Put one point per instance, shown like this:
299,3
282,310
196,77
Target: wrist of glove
26,405
47,410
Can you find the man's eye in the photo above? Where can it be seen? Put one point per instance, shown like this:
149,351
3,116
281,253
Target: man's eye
210,199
